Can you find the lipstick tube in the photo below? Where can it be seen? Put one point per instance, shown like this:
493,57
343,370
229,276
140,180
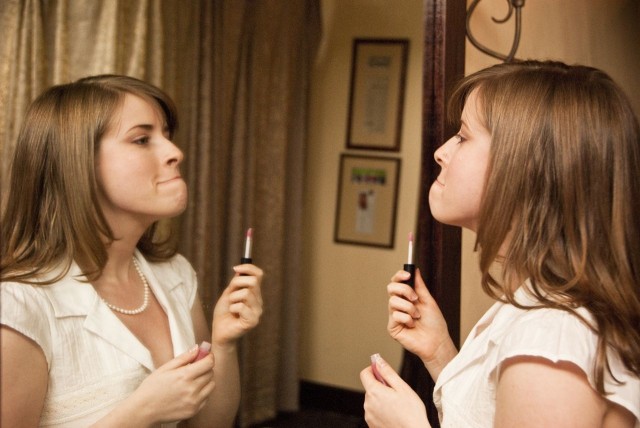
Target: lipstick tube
409,266
246,258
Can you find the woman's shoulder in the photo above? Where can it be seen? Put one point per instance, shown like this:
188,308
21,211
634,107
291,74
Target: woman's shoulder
14,292
560,335
552,333
531,313
28,309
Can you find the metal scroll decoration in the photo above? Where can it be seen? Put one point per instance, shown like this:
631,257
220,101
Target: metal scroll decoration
514,5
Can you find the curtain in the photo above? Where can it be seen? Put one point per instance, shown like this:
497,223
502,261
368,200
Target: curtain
255,60
238,71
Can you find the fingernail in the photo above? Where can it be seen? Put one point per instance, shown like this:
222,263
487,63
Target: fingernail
414,297
377,359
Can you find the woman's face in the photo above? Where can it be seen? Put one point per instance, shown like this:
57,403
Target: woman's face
137,167
455,196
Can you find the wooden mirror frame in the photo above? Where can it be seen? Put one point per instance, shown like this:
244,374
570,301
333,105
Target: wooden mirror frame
438,245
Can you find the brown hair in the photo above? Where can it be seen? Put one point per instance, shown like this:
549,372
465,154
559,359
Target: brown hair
52,216
565,156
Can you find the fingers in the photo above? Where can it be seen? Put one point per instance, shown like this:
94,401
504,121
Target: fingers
249,270
193,368
397,288
248,278
419,293
246,302
249,295
379,373
388,374
367,378
374,369
402,302
181,360
240,307
249,314
402,305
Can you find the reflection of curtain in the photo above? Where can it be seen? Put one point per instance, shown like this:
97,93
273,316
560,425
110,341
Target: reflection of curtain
238,73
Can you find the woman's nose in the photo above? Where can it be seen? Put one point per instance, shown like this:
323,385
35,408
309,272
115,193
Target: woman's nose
441,155
438,155
174,155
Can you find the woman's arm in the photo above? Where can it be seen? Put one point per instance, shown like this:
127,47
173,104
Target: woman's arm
535,392
237,311
24,378
222,404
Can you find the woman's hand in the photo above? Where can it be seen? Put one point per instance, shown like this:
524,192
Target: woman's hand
177,390
395,405
237,311
239,307
416,322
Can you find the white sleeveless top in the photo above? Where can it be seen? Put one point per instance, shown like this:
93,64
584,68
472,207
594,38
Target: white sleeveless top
94,361
465,392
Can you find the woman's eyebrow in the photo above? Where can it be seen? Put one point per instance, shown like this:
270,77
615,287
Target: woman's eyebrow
145,126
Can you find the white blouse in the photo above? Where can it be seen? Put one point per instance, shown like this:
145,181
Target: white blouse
94,360
465,392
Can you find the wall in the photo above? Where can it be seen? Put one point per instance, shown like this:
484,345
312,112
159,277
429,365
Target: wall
600,33
345,301
344,305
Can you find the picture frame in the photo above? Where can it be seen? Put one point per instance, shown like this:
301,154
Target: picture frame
367,200
376,98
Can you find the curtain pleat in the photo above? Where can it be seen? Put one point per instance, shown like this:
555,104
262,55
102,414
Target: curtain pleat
238,71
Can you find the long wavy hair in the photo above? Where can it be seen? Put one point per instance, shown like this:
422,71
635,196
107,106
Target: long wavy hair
563,191
52,216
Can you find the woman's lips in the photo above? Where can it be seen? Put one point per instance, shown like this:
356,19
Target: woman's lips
170,180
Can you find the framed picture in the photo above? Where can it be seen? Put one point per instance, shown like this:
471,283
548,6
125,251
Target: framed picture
367,198
376,100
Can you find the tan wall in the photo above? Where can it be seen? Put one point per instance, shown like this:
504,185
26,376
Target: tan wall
344,304
345,301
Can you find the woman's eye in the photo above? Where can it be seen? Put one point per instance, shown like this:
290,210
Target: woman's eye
141,141
460,138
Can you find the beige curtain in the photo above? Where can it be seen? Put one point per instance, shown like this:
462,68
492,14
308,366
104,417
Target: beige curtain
238,71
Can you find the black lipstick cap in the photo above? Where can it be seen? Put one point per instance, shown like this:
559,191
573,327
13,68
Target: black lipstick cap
411,268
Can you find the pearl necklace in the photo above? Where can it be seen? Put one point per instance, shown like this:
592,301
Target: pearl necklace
145,303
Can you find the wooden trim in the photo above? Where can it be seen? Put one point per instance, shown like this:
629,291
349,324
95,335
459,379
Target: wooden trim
438,246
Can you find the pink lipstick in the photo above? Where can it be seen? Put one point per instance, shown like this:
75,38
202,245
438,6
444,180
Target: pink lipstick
247,247
409,266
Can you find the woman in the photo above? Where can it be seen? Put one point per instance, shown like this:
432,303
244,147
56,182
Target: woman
545,170
100,317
